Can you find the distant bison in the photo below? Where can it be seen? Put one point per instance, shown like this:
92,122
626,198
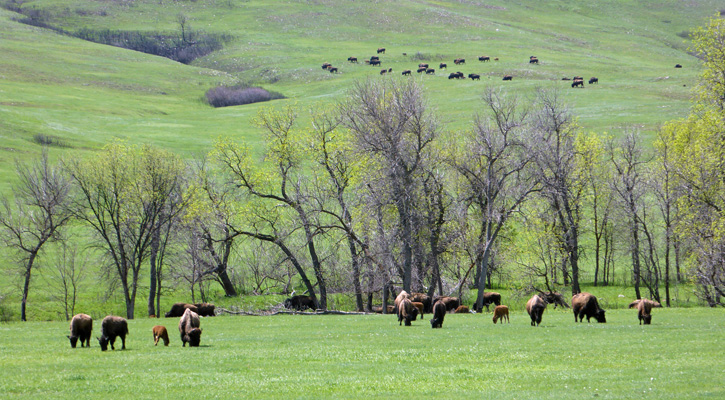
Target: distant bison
352,59
535,307
375,62
678,65
422,65
205,309
456,75
533,60
422,298
178,309
160,333
644,309
459,61
406,72
326,65
585,304
430,71
501,312
406,312
474,77
383,71
439,314
81,326
333,70
593,79
299,303
381,50
484,58
111,328
442,66
190,329
577,83
508,78
421,69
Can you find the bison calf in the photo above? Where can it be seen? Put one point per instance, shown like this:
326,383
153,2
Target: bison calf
160,333
420,306
462,310
81,326
501,312
439,313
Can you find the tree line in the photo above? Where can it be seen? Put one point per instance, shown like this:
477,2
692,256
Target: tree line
374,191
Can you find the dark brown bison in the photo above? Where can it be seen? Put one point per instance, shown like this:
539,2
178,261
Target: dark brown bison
484,58
459,61
586,304
333,70
422,298
474,77
111,328
430,71
577,83
488,299
644,309
422,65
533,60
178,309
678,65
326,65
439,314
352,59
383,71
501,312
205,309
160,333
456,75
508,78
190,329
406,72
300,303
81,326
593,79
419,70
442,66
451,302
381,50
375,62
406,312
374,58
535,307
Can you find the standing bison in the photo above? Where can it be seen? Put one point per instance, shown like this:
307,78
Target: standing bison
406,312
644,309
81,326
451,303
111,328
190,329
439,313
300,303
178,309
205,309
535,307
160,333
422,298
585,304
502,313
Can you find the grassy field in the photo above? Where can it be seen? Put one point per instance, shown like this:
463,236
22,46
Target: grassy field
680,356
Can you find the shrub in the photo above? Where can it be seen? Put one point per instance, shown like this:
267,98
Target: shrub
225,96
47,140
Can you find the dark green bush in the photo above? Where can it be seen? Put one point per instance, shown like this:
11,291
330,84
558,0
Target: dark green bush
225,96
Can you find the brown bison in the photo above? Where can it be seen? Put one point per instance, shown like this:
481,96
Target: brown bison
205,309
401,296
420,307
462,310
406,72
577,83
178,309
459,61
381,50
439,313
421,69
488,299
422,65
326,65
81,326
508,78
375,62
300,303
474,77
484,58
501,312
451,303
430,71
456,75
406,312
160,333
593,79
190,329
533,60
422,298
535,307
352,59
644,309
586,304
374,58
111,328
333,70
383,71
442,66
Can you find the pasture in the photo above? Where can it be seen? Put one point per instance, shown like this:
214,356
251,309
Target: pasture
679,356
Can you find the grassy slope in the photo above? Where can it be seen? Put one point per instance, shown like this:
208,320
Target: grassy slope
302,357
87,94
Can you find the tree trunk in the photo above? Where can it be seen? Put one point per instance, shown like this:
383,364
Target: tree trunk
355,261
26,285
152,271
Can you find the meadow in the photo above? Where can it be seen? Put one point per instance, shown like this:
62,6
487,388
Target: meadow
679,356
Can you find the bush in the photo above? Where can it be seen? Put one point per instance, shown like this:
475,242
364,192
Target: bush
225,96
47,140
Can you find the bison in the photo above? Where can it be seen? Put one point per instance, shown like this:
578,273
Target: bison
326,65
375,62
421,69
456,75
586,304
593,79
177,309
352,59
644,309
474,77
430,71
508,78
420,307
439,313
459,61
190,329
577,83
406,312
501,312
451,303
678,65
422,298
374,58
442,66
205,309
111,328
422,65
533,60
488,299
300,303
462,310
81,326
401,296
535,307
160,333
333,70
484,58
383,71
406,72
381,50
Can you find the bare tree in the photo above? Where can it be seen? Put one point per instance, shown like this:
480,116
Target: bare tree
36,215
66,278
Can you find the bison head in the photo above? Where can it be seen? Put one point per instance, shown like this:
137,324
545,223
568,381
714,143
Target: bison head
73,341
434,323
103,341
600,316
647,319
194,337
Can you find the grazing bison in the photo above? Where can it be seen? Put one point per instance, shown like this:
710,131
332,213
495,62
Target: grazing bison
439,313
678,65
383,71
177,309
375,62
381,50
190,329
459,61
160,333
205,309
474,77
81,326
508,78
421,69
406,72
501,312
484,58
451,303
422,65
406,312
577,83
533,60
442,66
586,304
299,303
422,298
456,75
326,65
462,310
644,309
535,307
430,71
374,58
333,70
352,59
111,328
593,79
420,307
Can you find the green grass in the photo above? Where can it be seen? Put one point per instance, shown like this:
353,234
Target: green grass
311,357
